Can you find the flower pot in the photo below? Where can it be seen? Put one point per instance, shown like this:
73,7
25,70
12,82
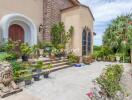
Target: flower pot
36,77
28,82
46,75
38,71
52,56
24,58
77,65
19,80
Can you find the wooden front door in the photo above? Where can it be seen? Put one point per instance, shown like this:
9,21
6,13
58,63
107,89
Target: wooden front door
16,32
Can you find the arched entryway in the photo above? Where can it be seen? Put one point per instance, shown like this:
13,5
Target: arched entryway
16,33
18,27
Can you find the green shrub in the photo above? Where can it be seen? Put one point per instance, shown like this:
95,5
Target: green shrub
25,49
17,69
6,56
39,65
73,58
109,80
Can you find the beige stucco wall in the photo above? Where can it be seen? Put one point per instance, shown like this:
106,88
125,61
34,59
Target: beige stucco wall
30,8
78,17
87,20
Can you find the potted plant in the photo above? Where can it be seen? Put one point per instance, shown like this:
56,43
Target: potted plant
53,52
48,68
34,50
74,60
28,77
17,77
112,58
61,53
25,50
47,46
87,59
17,71
38,70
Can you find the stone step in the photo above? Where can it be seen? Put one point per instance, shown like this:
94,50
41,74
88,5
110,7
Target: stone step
53,69
57,68
55,62
59,64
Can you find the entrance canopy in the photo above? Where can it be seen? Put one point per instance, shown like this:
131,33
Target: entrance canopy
29,32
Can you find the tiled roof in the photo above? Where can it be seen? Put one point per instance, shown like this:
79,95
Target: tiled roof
76,2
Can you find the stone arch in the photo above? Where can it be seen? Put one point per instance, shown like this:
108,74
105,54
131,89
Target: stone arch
22,20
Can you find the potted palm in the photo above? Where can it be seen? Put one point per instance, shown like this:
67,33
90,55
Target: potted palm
47,70
38,70
25,51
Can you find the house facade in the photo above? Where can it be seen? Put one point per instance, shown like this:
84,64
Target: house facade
31,21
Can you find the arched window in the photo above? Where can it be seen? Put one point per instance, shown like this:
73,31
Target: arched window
89,40
84,42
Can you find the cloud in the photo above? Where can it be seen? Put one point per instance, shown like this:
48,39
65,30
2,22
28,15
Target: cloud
104,11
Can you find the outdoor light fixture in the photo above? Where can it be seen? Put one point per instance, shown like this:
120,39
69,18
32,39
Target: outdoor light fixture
41,27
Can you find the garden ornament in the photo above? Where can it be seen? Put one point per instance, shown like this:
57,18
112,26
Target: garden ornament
7,84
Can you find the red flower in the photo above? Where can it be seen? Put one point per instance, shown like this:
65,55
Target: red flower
90,94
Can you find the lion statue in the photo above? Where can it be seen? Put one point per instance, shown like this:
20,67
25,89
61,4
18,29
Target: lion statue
7,85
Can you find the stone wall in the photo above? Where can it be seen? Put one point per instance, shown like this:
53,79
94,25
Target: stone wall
52,14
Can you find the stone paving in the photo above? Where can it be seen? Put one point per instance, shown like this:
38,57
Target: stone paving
67,84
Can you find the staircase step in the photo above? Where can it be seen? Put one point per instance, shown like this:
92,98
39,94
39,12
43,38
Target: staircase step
58,68
54,62
59,64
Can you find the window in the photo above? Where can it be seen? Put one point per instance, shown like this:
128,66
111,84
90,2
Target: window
84,35
89,43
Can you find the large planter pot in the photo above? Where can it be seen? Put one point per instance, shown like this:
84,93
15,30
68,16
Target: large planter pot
46,75
36,77
28,82
19,81
52,56
38,71
24,57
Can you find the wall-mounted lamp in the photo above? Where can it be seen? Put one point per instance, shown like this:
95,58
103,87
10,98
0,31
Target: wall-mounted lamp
41,27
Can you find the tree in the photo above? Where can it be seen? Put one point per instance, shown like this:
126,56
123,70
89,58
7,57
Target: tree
118,35
59,35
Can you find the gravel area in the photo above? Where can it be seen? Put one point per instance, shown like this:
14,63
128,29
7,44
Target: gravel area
67,84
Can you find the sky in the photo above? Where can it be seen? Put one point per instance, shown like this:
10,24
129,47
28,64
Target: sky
104,11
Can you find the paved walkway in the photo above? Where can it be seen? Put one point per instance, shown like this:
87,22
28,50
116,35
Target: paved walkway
67,84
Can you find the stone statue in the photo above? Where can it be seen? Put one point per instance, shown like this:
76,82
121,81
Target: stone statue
7,85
